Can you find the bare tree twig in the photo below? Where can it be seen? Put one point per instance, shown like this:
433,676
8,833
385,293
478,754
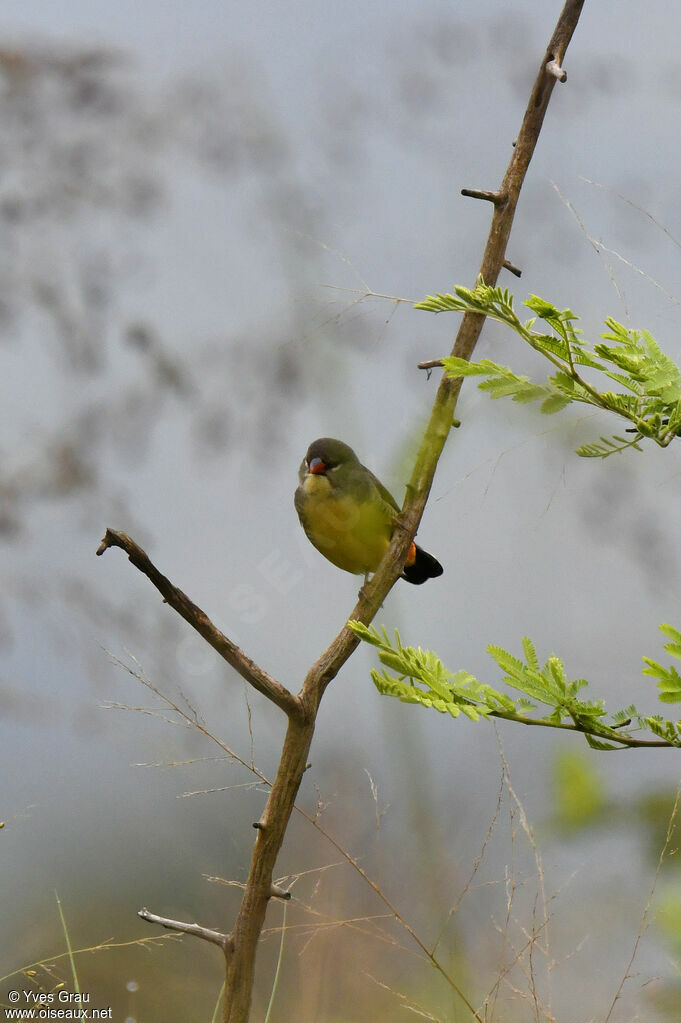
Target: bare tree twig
199,620
214,937
481,193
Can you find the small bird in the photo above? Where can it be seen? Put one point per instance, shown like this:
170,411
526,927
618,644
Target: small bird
348,515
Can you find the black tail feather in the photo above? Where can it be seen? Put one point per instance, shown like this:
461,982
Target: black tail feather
425,566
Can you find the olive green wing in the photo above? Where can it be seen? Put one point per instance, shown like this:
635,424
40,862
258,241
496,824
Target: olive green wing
386,496
299,502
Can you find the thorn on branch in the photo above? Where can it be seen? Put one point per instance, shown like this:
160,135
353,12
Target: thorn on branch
478,193
259,826
196,930
512,269
279,893
430,364
553,68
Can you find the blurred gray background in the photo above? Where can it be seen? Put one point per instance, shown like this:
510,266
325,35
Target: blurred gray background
196,203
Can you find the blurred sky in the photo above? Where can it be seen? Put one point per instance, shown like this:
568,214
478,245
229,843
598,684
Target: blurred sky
182,313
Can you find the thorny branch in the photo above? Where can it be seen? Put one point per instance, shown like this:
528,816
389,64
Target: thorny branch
240,951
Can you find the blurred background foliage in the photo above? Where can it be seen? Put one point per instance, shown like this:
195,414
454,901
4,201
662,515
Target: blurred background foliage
202,212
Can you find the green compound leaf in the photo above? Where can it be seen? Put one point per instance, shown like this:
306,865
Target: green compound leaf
608,447
418,676
650,398
669,680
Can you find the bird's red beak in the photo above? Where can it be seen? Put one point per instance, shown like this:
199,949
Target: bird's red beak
317,467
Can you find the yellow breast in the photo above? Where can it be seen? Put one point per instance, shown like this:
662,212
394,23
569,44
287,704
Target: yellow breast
352,535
